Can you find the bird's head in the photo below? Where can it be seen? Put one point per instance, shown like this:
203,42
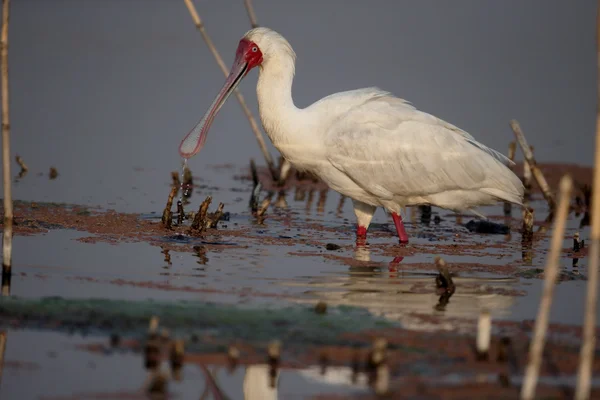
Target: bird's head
257,47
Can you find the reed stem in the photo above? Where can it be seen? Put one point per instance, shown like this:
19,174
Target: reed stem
537,174
251,13
586,356
8,204
550,274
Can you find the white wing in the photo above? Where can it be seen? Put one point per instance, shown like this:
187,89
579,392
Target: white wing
391,149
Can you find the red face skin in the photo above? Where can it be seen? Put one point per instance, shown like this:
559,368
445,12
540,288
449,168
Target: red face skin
249,52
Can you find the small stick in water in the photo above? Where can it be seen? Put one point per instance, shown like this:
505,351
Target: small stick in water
152,347
177,352
233,357
281,201
157,387
443,281
188,182
512,149
53,173
175,179
484,333
273,358
550,274
355,365
323,362
23,166
379,374
260,213
199,221
180,213
214,219
167,217
537,174
527,228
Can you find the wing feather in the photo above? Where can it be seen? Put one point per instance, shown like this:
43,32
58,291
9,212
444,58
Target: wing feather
389,148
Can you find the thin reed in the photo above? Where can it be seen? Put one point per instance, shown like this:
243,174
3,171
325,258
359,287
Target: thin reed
8,205
550,274
586,357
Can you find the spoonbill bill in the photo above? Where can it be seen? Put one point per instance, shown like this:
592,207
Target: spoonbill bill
366,144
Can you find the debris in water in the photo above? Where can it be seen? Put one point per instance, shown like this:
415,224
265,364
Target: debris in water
176,354
188,182
323,361
260,213
199,222
152,347
355,365
53,173
180,213
256,187
578,244
115,340
321,308
484,331
157,387
379,374
23,166
502,355
281,201
214,219
273,358
233,357
167,216
443,281
175,179
527,228
332,246
490,227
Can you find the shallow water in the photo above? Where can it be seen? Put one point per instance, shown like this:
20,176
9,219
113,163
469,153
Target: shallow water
102,94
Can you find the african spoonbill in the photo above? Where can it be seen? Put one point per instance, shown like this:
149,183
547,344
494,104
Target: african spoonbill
366,144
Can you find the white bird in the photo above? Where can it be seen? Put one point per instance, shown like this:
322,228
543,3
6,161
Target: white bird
366,144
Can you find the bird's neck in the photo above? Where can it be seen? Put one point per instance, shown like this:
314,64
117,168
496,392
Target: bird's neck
280,117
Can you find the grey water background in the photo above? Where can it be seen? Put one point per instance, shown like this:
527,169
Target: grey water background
105,90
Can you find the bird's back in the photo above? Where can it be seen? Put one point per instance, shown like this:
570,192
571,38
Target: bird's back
400,154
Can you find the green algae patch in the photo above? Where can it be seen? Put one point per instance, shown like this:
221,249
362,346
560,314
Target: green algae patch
223,323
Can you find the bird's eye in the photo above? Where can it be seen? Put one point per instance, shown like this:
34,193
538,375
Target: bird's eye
254,49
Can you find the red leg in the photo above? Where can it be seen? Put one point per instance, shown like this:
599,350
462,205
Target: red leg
400,228
361,232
